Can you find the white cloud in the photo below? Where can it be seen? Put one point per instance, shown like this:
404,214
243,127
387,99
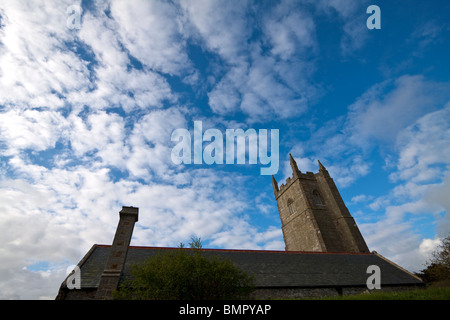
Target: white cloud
290,32
380,116
355,35
29,129
396,241
35,71
154,127
353,14
221,25
99,132
225,97
437,196
244,236
422,192
153,32
150,145
116,84
360,198
429,246
342,7
41,65
427,34
259,84
423,146
352,170
264,95
385,116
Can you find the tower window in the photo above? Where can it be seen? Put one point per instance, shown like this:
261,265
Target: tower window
291,206
317,199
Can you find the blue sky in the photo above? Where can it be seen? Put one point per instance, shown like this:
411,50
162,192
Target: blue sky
86,116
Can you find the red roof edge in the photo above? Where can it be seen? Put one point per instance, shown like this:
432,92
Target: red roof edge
241,250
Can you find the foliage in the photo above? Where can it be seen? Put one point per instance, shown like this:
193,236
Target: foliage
438,269
442,255
196,243
434,273
185,274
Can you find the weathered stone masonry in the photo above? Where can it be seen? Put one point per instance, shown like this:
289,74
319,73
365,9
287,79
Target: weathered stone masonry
313,214
117,257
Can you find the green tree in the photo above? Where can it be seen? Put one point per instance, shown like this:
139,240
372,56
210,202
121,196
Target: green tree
442,255
185,274
438,269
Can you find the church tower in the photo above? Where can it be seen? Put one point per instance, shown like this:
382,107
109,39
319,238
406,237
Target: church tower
313,214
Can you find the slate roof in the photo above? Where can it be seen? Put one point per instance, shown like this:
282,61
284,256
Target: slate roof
271,269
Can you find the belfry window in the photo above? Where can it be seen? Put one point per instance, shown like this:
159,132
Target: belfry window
291,206
317,198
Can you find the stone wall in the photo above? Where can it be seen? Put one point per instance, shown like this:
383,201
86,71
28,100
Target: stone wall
300,293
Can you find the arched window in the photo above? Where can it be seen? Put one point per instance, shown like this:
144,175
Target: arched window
291,206
317,198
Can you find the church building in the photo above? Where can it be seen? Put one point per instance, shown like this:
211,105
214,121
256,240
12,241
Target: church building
325,253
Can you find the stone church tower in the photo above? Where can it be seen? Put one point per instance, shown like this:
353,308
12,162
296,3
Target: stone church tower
313,214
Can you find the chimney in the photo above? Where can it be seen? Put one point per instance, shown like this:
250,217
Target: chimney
118,253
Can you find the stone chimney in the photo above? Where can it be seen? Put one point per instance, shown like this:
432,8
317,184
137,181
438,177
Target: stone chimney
118,253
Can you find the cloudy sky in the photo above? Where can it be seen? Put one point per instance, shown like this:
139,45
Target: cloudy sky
88,105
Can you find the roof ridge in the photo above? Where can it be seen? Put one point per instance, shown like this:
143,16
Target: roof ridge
397,266
241,250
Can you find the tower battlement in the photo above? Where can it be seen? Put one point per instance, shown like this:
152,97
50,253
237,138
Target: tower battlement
289,181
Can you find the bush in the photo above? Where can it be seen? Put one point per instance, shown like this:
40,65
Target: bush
185,274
